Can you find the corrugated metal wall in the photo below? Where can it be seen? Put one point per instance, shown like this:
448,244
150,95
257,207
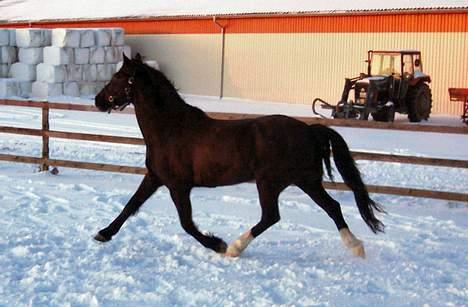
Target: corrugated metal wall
297,67
191,61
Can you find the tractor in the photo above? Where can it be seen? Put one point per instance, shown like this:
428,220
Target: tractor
395,82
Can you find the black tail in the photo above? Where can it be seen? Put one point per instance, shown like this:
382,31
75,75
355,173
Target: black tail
350,174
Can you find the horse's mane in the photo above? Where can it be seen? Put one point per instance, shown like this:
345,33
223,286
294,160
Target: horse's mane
157,79
160,86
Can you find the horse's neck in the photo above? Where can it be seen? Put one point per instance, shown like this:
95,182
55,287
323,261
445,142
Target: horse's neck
159,124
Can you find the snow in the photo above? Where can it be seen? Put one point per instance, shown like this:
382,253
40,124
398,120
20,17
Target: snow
31,10
48,257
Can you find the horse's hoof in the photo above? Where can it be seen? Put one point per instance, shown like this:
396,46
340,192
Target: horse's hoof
236,248
359,251
354,244
99,237
232,253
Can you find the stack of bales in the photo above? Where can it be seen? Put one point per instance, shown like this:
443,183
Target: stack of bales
8,56
30,44
79,62
71,62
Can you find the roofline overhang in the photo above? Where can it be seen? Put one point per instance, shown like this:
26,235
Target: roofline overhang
462,10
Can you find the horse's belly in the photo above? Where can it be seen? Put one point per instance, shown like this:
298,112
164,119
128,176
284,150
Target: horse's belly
212,174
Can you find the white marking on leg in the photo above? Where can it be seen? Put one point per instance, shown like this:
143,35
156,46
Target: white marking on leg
353,243
238,246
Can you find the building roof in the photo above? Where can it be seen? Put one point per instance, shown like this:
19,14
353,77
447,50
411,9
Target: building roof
37,10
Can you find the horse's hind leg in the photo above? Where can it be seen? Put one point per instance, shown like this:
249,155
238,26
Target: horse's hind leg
316,191
147,187
268,194
181,198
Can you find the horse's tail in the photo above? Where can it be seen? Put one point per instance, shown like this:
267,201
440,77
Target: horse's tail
350,174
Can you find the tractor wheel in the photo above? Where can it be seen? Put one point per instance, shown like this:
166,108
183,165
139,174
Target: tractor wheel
386,114
364,115
419,101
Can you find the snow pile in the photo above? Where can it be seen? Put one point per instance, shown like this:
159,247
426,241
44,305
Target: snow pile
70,62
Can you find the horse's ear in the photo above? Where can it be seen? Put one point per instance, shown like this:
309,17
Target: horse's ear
138,58
125,59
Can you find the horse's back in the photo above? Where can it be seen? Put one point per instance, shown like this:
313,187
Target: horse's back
230,152
224,153
286,148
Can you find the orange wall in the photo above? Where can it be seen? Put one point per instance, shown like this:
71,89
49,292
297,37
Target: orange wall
415,22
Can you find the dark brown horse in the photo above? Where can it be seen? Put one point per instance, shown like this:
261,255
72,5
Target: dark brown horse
185,149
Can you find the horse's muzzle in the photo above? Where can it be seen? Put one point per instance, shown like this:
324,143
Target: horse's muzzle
101,103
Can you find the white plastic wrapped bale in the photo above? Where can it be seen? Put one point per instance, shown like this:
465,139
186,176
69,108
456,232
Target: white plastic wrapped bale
71,89
23,72
87,89
24,88
112,55
97,55
58,55
8,55
4,37
105,71
4,70
117,37
118,66
74,72
44,89
33,37
8,87
30,55
87,38
90,73
127,50
152,63
62,37
12,37
103,37
81,56
51,73
100,85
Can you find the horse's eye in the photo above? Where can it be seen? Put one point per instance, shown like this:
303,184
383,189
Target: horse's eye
130,80
111,98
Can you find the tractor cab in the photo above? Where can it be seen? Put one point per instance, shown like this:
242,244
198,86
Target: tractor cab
406,64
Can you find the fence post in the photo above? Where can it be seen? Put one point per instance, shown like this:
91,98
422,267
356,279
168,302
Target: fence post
45,138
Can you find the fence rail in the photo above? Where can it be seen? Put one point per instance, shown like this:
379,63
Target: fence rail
44,161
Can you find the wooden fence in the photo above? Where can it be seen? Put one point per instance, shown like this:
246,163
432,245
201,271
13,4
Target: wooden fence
45,161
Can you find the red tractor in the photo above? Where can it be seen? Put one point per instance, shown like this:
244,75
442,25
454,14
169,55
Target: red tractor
395,82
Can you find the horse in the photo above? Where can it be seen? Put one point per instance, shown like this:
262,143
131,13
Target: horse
185,149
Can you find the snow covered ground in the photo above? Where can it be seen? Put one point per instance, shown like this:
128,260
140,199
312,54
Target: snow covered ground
48,257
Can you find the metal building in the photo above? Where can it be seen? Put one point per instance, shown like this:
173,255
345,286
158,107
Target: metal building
289,56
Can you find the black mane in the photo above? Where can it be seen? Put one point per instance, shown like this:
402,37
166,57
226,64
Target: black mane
157,85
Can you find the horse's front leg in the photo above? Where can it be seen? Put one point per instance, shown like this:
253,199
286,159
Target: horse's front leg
147,187
181,198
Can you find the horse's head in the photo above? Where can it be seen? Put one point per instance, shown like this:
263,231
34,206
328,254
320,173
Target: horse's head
118,93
